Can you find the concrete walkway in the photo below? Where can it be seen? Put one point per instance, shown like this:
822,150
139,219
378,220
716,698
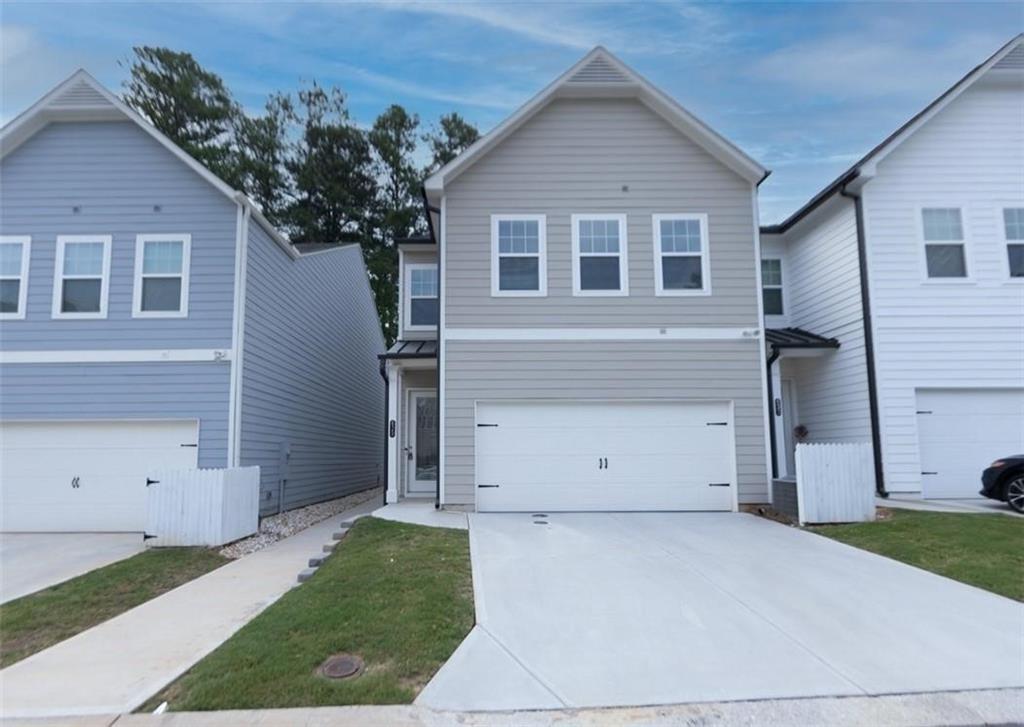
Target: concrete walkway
119,664
422,512
972,505
940,709
30,562
586,610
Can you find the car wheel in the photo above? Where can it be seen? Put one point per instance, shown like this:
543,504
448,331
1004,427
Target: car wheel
1015,493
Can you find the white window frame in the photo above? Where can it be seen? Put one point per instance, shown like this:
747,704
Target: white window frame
623,255
705,257
26,251
407,302
923,244
186,255
541,255
1007,241
59,277
781,288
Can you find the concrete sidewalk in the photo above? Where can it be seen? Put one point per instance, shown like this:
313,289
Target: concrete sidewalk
116,666
971,505
1003,706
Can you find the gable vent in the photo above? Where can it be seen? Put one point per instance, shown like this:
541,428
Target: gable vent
599,70
80,95
1014,60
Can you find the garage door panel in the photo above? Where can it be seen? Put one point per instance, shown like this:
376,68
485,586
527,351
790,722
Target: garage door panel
605,456
86,476
960,431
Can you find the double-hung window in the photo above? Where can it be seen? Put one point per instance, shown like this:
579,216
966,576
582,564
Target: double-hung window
681,254
161,276
943,232
771,286
599,262
518,255
14,255
1013,229
81,276
421,296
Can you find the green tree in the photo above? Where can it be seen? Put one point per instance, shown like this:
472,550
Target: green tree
448,139
261,151
189,104
393,138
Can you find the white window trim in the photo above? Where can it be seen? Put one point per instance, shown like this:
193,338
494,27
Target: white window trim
26,251
923,245
705,258
186,255
59,277
541,255
781,288
623,256
1007,242
407,303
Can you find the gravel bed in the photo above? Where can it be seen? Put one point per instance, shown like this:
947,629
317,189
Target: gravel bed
277,527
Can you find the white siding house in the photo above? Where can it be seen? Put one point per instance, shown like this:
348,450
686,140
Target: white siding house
940,206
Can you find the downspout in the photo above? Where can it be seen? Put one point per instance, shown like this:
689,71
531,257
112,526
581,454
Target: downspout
771,411
387,423
869,344
428,209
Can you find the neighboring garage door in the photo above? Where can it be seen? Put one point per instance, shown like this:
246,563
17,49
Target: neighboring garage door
961,431
86,476
571,455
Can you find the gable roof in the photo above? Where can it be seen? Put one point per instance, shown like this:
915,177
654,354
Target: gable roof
82,98
1010,57
599,74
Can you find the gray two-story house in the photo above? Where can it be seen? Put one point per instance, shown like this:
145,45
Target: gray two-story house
582,330
150,317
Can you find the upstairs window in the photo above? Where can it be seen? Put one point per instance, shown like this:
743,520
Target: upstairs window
1013,228
943,232
14,255
681,254
82,274
518,255
771,286
161,276
421,302
599,264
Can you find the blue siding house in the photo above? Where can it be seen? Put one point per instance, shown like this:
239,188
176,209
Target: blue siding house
150,316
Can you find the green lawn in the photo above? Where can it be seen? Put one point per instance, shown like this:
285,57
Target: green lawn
34,622
397,595
986,551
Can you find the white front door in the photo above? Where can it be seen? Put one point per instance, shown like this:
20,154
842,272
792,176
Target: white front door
604,456
961,431
88,475
421,443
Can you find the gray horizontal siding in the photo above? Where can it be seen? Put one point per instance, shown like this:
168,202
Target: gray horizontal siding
310,374
115,174
724,370
124,391
575,157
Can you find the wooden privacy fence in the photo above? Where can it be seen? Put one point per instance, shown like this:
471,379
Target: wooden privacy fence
202,506
835,483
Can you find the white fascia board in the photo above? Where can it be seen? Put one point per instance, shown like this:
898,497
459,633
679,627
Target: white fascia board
661,104
142,355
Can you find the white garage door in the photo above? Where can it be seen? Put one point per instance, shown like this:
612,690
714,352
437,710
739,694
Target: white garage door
86,476
961,431
604,456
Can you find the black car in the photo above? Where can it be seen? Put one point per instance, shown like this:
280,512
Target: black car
1004,480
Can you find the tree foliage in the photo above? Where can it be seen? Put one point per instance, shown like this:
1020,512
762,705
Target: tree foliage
310,168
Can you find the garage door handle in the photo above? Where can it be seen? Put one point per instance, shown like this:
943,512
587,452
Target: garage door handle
151,482
929,473
717,424
483,486
487,425
189,445
719,484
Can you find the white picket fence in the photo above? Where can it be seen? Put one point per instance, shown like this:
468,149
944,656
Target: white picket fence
202,506
835,483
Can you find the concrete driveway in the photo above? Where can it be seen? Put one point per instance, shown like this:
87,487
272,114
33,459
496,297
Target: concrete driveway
33,561
594,610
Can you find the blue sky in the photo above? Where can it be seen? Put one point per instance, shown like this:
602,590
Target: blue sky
805,88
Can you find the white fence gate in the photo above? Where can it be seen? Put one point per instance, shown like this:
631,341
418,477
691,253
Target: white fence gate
835,483
202,506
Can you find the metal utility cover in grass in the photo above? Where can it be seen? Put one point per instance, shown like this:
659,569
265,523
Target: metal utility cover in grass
341,666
